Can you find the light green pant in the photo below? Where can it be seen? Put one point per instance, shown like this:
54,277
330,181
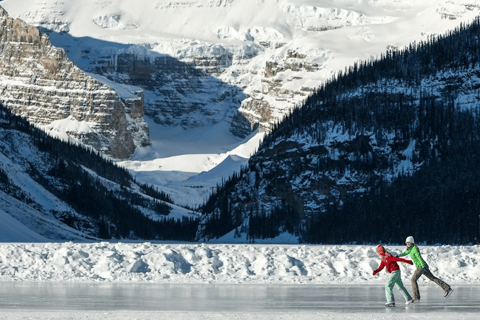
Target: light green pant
395,278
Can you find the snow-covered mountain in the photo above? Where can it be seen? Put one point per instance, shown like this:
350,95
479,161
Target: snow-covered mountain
259,58
212,71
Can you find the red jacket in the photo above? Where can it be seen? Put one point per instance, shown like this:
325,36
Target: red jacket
388,261
391,263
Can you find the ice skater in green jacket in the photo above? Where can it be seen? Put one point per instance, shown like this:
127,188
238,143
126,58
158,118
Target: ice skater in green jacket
422,269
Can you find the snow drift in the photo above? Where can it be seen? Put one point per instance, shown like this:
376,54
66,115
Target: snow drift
222,263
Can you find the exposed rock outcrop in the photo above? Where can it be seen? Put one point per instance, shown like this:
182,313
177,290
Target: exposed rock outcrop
39,82
184,92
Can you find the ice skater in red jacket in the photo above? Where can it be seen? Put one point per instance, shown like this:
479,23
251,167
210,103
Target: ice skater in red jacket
395,277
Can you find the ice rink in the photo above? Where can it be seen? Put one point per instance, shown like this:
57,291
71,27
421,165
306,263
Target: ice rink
50,300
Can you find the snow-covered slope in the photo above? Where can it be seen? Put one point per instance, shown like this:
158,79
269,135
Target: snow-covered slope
258,59
40,200
11,230
26,207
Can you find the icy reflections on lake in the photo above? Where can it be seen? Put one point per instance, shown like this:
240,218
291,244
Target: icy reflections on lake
226,298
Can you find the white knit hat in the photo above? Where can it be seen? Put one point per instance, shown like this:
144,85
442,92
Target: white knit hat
410,239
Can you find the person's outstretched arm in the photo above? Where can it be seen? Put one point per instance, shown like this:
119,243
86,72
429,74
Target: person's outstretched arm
380,268
405,252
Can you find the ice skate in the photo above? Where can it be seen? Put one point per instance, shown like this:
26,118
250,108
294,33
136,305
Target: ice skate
449,292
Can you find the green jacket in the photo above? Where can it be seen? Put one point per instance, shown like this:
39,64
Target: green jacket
415,255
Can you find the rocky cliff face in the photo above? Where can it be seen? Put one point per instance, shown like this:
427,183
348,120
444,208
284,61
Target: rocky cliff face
180,93
39,82
205,83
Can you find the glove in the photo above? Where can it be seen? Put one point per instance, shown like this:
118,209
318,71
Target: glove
374,273
425,269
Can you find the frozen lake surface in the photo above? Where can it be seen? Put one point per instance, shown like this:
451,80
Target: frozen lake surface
78,281
194,298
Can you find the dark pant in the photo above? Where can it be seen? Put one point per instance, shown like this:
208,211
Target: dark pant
418,273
